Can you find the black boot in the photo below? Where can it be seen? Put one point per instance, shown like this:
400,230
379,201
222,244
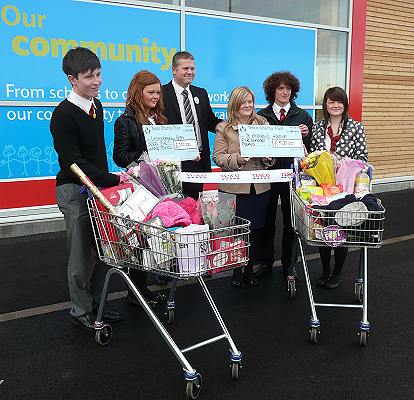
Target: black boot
248,275
325,253
340,256
237,277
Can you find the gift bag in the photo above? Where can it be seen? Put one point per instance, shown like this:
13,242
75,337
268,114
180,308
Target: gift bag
160,242
217,208
320,165
346,172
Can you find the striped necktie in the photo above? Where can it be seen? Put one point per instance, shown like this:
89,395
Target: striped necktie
189,117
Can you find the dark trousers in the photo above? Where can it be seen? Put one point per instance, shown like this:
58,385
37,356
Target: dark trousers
256,237
192,189
279,190
340,254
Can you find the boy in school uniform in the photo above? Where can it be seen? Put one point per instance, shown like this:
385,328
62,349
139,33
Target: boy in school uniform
77,128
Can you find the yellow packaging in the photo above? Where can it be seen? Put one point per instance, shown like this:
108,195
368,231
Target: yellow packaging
305,192
323,171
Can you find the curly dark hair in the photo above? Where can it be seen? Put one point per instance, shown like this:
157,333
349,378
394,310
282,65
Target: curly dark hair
276,79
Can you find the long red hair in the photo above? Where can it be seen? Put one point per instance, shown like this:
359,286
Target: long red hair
134,98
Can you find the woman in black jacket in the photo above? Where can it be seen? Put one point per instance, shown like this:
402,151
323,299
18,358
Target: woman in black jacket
144,106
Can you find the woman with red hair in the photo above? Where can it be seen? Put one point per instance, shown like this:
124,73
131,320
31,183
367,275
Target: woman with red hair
144,106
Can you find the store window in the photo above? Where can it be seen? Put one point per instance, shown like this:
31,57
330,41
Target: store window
330,61
325,12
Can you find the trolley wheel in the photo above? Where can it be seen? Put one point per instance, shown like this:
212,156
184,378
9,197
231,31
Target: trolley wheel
314,335
363,336
193,388
291,289
103,336
170,316
359,292
235,370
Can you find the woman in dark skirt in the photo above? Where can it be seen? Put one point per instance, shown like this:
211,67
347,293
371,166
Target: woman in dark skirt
252,198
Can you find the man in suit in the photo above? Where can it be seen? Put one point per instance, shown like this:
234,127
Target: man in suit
281,89
188,104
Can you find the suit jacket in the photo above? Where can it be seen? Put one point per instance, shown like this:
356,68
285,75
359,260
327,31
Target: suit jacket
206,120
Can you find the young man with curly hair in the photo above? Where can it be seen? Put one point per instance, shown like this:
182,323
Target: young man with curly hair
281,89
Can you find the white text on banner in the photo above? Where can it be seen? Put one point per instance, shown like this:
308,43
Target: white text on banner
171,142
270,141
260,176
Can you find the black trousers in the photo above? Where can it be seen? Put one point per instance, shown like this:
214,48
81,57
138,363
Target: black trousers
279,190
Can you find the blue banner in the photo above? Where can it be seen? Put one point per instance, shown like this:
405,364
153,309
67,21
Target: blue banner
231,53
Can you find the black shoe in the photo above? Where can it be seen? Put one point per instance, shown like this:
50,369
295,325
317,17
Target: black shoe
109,315
263,270
250,280
333,282
237,277
322,280
85,321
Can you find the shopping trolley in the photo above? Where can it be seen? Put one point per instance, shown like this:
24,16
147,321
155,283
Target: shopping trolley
321,227
123,243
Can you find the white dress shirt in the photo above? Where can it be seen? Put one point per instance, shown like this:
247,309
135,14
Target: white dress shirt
179,94
276,109
80,101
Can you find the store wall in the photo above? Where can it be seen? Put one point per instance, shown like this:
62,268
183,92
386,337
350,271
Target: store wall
388,95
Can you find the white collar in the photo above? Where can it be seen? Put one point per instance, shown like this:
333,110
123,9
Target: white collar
179,89
80,101
277,108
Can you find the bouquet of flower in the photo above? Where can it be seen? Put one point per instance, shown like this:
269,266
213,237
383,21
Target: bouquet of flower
320,165
148,177
169,172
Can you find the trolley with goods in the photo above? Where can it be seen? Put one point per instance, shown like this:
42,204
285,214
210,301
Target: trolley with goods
124,243
351,228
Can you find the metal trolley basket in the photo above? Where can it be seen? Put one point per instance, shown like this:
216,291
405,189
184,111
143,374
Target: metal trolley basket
322,227
123,243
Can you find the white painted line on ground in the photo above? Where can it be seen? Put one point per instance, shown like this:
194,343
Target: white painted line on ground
31,312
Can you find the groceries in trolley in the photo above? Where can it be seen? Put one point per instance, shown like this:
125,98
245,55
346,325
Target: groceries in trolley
333,203
152,226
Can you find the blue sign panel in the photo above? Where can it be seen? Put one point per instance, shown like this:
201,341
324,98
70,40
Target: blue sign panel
231,53
34,38
126,39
